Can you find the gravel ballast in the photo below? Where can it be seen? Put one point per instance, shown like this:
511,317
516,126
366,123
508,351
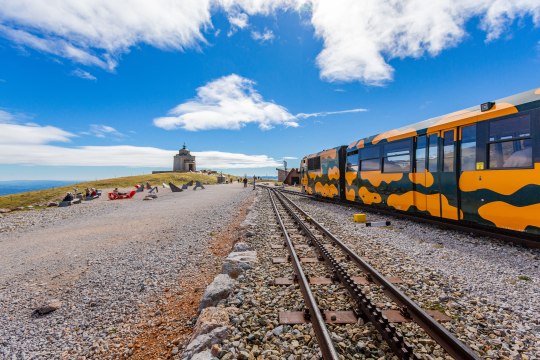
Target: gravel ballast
101,265
488,288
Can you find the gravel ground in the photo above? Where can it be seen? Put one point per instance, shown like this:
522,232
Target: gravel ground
489,289
103,261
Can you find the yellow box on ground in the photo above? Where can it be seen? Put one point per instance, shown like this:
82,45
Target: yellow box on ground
360,218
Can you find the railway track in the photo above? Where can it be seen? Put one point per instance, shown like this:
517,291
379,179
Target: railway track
300,229
526,240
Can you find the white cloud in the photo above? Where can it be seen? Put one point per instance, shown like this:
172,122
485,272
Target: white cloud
326,113
96,32
238,20
31,145
265,36
359,37
230,102
83,74
102,131
31,134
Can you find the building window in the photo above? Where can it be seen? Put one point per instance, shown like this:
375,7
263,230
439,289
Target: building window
314,164
468,148
352,161
510,143
397,156
448,151
433,152
420,154
370,158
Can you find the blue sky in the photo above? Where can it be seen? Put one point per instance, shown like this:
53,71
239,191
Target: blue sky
105,90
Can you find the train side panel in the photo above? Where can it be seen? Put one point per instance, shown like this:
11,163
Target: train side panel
322,173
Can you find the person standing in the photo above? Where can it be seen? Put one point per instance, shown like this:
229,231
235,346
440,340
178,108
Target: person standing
245,181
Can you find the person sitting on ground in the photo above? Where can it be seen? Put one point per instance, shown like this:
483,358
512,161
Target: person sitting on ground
68,197
116,192
93,192
87,192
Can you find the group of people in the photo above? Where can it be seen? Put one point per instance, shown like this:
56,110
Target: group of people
89,193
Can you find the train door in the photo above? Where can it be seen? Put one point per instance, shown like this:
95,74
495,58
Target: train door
448,179
431,181
441,179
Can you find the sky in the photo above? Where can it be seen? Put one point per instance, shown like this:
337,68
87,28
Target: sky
98,89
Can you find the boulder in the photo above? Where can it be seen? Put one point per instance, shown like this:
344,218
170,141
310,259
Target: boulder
241,246
219,289
4,211
238,262
205,341
210,318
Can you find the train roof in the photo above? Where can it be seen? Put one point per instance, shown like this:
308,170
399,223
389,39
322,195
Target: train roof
332,153
506,106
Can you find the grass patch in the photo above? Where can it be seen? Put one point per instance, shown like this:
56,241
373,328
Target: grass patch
524,278
42,197
436,306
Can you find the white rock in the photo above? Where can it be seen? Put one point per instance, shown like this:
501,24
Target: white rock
219,289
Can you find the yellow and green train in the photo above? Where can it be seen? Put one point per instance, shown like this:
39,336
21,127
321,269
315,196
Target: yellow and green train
478,166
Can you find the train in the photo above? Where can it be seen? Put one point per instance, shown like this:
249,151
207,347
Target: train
476,167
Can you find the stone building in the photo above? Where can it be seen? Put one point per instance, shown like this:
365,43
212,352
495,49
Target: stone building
184,161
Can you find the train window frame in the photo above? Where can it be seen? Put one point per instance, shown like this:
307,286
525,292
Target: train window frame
356,166
468,142
363,158
416,149
514,139
437,157
398,150
448,141
314,163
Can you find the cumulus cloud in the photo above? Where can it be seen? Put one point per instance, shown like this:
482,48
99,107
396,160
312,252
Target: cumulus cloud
230,102
96,32
83,74
359,37
265,36
32,145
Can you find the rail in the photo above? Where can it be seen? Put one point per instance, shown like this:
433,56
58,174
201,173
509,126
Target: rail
409,308
324,340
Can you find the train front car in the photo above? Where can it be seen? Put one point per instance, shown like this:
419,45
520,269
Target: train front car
479,166
321,173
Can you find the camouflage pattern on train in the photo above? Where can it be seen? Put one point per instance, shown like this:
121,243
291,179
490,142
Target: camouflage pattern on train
480,165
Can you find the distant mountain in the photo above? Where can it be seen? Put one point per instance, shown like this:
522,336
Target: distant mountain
18,186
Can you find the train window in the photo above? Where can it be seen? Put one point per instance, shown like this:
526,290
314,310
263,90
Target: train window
397,156
314,164
510,143
468,148
448,151
370,158
420,153
352,161
433,152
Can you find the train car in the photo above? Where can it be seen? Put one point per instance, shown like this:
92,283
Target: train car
321,173
478,166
